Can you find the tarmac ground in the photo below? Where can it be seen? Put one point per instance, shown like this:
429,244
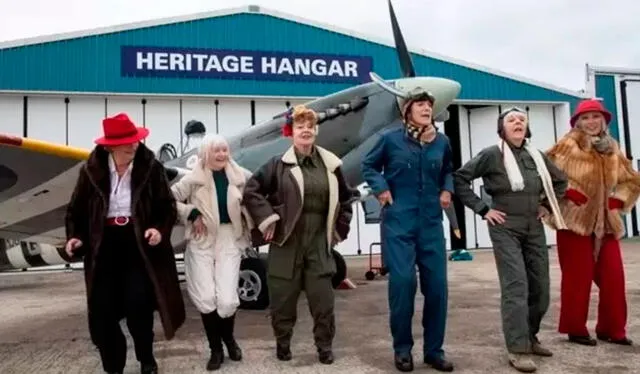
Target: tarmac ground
43,328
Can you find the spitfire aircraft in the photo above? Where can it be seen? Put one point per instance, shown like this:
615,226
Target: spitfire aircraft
36,177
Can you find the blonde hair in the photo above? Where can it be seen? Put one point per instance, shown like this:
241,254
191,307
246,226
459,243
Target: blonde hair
301,113
209,142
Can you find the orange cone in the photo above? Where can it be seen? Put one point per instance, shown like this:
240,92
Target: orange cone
347,284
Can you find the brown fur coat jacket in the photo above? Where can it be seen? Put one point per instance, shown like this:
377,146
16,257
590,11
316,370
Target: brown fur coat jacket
601,186
153,205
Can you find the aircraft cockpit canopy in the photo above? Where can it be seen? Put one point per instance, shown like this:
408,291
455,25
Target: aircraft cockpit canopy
194,132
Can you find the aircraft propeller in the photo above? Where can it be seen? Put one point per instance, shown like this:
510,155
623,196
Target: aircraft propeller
406,64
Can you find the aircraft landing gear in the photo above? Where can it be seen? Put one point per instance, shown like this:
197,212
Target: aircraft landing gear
252,282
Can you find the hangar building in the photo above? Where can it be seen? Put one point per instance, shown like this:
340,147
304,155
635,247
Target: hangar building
619,89
233,69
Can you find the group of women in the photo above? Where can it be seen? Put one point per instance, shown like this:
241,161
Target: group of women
580,188
122,212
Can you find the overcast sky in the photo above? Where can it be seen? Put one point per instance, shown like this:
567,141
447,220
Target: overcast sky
546,40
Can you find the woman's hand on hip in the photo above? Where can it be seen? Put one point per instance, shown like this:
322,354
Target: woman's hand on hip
542,212
495,217
385,198
153,236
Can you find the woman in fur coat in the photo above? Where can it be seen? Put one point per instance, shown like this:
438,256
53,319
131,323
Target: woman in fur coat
217,232
119,220
602,185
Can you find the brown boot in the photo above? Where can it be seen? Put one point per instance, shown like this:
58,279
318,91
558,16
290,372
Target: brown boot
522,362
538,350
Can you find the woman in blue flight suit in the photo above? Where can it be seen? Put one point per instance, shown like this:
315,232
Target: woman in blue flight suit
417,184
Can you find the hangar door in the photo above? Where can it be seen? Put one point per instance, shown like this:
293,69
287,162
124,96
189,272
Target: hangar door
630,92
482,134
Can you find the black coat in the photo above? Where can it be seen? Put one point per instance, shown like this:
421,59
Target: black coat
153,207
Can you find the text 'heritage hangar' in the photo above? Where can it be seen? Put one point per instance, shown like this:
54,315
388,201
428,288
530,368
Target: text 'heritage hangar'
234,68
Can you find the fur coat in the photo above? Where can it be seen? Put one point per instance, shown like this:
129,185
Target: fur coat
601,186
153,205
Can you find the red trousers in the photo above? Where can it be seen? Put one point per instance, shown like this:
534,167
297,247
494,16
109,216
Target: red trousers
579,269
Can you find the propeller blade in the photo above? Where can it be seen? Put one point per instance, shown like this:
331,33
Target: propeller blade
406,65
386,86
443,116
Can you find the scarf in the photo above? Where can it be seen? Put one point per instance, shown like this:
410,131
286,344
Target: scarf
517,182
416,132
602,144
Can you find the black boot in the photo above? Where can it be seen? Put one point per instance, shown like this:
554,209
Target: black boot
440,363
403,362
149,368
212,327
283,352
325,356
583,340
235,353
623,341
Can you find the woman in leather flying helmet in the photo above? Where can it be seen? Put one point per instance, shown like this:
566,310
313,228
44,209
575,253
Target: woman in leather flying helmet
409,169
523,185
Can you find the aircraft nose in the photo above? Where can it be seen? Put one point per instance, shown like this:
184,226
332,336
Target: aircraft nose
444,90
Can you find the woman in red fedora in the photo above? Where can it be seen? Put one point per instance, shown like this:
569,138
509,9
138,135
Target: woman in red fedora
602,186
120,219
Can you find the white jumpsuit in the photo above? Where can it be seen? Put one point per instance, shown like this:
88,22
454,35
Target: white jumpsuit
212,262
212,271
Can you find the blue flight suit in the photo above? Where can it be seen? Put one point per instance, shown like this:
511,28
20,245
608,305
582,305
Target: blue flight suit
412,232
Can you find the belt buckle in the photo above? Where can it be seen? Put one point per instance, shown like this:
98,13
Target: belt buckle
121,221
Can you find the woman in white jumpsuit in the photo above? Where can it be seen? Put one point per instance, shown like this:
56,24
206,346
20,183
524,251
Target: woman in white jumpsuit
217,230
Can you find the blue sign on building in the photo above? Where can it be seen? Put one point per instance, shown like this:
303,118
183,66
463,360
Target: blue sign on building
173,62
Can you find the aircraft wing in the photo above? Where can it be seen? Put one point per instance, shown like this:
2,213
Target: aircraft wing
36,182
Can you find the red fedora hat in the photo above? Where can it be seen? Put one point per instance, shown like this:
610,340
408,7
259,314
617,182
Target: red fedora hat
120,130
591,105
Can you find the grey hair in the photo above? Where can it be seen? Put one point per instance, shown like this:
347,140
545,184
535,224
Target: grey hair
208,143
